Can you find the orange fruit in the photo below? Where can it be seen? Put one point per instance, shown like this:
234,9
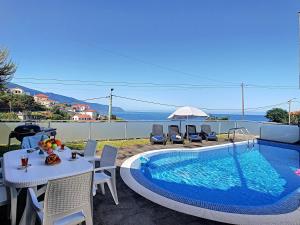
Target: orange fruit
48,144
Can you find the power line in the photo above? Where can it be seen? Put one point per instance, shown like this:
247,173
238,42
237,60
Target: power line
124,83
252,109
268,106
153,85
279,87
148,84
145,101
158,65
132,86
177,106
208,109
97,98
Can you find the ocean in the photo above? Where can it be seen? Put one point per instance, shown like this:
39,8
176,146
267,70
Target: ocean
164,116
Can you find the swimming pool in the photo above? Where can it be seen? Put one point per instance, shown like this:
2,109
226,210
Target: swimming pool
233,183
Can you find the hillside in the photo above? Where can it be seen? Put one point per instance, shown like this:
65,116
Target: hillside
100,108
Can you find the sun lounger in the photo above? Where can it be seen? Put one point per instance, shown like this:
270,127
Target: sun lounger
157,135
191,133
174,134
207,133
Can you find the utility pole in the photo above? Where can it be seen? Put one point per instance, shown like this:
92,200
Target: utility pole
110,105
243,101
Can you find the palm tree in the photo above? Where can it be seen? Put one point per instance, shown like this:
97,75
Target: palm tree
7,69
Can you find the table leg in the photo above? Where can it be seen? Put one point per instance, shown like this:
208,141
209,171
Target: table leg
29,216
13,205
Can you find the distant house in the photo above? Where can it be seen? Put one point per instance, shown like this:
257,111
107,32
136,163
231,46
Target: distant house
17,91
295,113
81,117
40,97
90,112
80,107
44,100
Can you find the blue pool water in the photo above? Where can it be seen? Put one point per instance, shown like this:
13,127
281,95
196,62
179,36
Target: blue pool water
237,179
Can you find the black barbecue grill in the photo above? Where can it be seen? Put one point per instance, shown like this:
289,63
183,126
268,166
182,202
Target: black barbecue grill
29,129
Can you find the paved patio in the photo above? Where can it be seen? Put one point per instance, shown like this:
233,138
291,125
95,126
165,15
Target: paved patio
133,209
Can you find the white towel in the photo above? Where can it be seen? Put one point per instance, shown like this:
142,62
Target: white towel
33,141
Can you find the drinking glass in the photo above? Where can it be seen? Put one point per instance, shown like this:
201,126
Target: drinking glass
73,155
24,160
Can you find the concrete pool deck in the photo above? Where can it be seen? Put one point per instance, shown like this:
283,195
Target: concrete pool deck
133,209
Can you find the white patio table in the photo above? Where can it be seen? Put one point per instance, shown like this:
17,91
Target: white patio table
37,174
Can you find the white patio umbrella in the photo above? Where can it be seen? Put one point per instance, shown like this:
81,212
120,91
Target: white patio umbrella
187,112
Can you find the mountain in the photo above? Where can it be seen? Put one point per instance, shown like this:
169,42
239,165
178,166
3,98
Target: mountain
102,109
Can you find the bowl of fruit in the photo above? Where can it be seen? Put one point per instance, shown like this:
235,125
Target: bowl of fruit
49,145
52,159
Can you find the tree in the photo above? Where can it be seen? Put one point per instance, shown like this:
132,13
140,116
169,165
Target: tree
58,114
277,115
7,69
18,103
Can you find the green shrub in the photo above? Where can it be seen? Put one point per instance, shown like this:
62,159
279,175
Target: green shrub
277,115
9,116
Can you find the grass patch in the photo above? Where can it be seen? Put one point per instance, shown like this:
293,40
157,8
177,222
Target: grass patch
4,148
79,145
223,136
116,143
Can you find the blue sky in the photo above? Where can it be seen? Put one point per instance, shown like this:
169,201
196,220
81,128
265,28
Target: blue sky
211,42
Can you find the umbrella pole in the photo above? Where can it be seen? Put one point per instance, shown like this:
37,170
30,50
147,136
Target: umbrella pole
180,126
187,123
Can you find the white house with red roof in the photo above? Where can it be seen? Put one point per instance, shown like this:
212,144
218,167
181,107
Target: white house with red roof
44,100
80,107
81,117
90,112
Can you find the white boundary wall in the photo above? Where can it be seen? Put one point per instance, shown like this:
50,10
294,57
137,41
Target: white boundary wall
76,131
282,133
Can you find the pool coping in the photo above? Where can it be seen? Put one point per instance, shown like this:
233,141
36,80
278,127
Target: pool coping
291,218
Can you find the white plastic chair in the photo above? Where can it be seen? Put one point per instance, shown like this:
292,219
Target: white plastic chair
90,149
107,165
67,201
3,189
